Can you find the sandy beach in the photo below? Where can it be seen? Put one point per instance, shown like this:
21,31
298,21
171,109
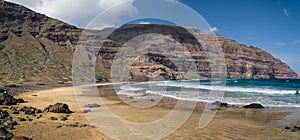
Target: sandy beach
229,123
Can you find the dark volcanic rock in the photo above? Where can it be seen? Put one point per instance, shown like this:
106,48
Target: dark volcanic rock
220,104
6,120
59,126
254,106
21,119
15,111
58,108
53,118
63,118
4,134
3,114
7,99
28,119
294,128
39,116
30,110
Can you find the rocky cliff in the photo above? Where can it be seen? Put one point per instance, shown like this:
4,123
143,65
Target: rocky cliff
241,61
36,48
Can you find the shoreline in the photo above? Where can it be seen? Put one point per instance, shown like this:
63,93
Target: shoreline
229,123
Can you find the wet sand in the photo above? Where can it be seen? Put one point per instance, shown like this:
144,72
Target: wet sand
229,123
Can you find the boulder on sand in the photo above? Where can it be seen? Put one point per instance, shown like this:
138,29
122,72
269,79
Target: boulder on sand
254,106
7,99
58,108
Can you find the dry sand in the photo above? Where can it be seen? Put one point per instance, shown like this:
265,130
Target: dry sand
229,123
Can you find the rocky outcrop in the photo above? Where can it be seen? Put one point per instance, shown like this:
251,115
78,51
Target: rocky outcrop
58,108
7,99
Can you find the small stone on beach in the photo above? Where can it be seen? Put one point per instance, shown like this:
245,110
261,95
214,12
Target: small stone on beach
86,111
63,118
15,111
21,119
52,118
94,105
83,125
59,126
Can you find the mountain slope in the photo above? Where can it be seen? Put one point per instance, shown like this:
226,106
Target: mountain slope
33,60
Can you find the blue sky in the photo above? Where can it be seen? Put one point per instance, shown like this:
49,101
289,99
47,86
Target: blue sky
268,24
272,25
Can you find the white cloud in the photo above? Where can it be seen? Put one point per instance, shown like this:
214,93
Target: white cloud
172,1
286,12
143,22
280,43
296,42
213,29
287,43
80,12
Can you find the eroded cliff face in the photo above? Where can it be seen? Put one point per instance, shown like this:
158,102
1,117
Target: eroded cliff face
251,62
51,43
241,61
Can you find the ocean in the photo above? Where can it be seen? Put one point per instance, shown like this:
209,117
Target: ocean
268,92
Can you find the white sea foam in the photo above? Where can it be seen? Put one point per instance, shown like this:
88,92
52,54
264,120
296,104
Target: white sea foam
231,89
198,92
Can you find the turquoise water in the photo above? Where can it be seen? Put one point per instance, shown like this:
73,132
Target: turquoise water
270,93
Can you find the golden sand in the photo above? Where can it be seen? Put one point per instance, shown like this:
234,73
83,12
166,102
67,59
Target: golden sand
229,123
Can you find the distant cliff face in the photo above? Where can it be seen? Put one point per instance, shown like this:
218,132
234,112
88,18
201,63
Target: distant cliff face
241,61
36,48
251,62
